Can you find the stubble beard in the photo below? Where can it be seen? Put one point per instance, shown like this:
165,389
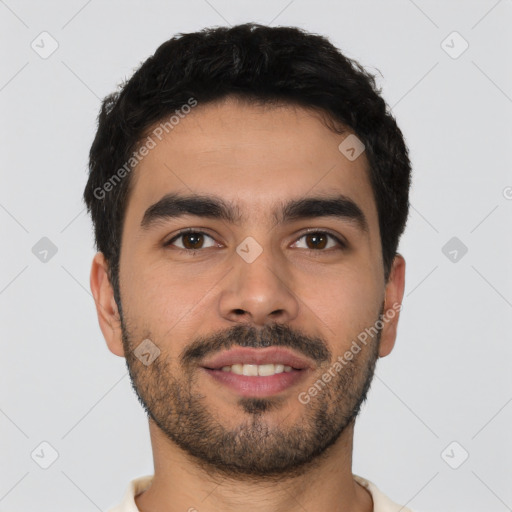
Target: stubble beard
256,448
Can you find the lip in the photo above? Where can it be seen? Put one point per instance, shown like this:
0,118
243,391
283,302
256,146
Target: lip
258,386
247,355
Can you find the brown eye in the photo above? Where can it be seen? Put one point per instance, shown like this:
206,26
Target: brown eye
319,240
191,240
316,241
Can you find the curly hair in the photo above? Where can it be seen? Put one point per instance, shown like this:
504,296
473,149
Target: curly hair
262,65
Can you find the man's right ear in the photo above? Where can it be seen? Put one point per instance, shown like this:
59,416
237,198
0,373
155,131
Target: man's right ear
106,307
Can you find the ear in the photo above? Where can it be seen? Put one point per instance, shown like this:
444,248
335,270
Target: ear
106,307
392,305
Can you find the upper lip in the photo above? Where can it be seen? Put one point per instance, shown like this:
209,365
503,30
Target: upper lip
246,355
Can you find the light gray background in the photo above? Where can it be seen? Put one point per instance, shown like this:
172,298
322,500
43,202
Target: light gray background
448,378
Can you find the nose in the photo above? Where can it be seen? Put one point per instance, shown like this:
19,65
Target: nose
259,292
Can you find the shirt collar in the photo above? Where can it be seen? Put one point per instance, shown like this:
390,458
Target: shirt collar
381,503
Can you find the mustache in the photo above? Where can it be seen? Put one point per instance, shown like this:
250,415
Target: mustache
271,335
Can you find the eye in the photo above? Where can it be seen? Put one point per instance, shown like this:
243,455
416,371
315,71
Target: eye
319,240
191,240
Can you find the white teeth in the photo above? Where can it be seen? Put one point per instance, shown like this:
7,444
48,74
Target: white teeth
237,368
266,369
253,370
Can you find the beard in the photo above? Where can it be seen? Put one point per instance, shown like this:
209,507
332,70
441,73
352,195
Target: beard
254,448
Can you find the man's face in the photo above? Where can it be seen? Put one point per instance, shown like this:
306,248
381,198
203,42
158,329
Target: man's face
263,280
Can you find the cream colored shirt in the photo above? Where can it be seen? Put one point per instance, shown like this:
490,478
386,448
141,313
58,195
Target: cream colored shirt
381,503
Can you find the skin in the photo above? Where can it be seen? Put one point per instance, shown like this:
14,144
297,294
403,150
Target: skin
255,157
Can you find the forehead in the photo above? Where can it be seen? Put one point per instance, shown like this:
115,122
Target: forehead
254,156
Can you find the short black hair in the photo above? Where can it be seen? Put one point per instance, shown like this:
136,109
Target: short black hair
262,65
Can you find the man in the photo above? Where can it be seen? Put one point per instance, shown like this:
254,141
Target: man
248,189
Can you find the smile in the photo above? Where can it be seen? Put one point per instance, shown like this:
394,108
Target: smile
253,370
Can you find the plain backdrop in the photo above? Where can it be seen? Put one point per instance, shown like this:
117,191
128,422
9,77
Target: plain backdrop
435,432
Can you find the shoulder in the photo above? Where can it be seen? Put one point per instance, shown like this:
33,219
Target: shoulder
135,487
381,502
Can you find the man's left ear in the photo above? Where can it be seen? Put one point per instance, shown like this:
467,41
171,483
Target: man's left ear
392,305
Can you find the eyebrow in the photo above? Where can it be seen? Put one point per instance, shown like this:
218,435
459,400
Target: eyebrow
173,205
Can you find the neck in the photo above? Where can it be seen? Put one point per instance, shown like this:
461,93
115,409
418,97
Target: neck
180,484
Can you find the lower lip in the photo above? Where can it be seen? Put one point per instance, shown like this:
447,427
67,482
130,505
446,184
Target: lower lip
258,386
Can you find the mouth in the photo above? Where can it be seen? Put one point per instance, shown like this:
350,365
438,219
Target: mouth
257,372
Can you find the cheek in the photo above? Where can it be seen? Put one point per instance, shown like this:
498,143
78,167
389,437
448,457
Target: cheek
164,299
342,305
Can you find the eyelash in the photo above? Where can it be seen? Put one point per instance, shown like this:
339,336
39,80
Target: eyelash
342,245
